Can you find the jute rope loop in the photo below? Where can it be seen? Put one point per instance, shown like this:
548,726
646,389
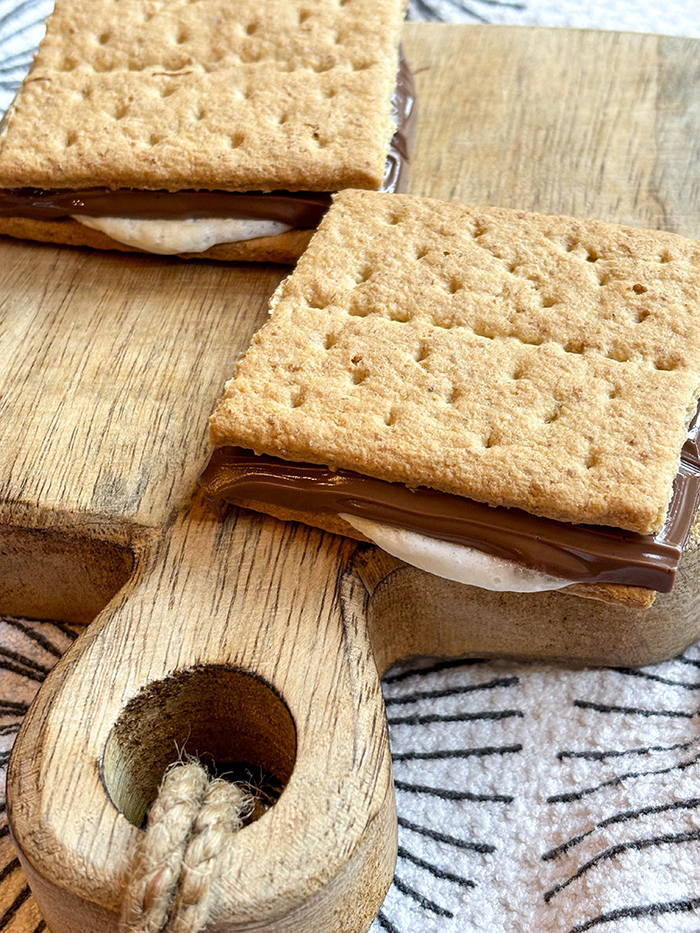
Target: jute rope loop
186,847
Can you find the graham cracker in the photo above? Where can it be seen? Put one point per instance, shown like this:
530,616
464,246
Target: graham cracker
245,95
546,363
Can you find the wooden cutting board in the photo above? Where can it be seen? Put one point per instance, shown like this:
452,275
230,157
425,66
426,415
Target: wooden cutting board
250,640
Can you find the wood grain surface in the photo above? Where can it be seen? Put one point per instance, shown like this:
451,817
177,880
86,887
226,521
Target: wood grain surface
113,366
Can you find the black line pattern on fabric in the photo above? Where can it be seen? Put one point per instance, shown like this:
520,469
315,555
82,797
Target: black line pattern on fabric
39,638
17,11
493,684
22,671
66,629
432,669
692,662
445,754
613,782
633,710
25,660
385,923
635,845
483,847
14,907
435,869
421,899
419,9
447,794
17,63
636,912
11,867
20,63
484,716
569,844
20,664
19,59
592,755
692,803
10,707
656,678
422,9
14,35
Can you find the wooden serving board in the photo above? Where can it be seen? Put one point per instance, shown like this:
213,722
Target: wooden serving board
252,640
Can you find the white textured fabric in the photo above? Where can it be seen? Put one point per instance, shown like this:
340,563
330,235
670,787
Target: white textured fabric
21,30
674,17
537,799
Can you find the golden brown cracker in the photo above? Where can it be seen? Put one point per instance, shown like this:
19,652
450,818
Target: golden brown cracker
545,363
281,94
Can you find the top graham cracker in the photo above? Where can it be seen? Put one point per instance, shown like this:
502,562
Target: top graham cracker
545,363
227,94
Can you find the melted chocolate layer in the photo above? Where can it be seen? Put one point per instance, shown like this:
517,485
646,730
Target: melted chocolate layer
297,208
580,553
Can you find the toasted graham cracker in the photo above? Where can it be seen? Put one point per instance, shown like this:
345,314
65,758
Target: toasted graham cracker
545,363
245,95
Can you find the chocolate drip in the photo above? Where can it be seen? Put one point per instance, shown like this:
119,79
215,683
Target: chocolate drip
297,208
580,553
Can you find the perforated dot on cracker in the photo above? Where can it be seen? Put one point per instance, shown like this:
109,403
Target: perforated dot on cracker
283,95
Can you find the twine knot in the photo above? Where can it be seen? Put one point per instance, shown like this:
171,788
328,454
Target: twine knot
186,847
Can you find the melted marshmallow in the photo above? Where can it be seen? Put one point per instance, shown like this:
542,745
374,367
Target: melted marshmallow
191,235
455,561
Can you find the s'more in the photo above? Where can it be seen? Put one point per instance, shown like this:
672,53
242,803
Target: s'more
208,128
501,398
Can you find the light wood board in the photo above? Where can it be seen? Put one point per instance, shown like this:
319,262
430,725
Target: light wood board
113,365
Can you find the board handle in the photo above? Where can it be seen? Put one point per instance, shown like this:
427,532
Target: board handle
238,642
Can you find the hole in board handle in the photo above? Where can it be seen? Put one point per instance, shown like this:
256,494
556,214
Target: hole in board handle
232,721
